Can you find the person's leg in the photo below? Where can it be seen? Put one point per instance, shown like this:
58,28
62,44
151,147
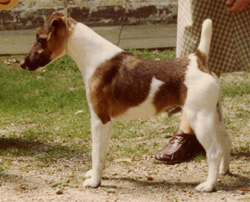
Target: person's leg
184,125
182,146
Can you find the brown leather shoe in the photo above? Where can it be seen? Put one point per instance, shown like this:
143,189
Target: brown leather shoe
182,147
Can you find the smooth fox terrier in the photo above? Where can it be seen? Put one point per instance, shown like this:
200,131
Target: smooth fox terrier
122,86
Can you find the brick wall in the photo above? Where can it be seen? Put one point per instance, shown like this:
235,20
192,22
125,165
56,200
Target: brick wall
30,14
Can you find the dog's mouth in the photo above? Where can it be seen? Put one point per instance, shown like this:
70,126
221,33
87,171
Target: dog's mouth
35,69
37,63
28,67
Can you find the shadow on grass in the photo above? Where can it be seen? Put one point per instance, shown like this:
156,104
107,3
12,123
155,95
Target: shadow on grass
161,186
40,150
234,182
44,154
9,177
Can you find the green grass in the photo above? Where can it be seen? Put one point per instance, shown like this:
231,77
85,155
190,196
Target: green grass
39,110
239,89
45,114
238,84
247,198
4,166
154,54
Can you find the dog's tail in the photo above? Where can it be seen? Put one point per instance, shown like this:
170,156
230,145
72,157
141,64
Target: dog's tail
206,36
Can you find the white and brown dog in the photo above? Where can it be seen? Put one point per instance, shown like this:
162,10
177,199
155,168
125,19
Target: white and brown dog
122,86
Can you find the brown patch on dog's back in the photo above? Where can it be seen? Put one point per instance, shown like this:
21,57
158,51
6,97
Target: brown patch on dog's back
202,61
173,92
132,62
125,80
115,86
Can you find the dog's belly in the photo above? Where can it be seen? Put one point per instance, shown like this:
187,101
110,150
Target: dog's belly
144,110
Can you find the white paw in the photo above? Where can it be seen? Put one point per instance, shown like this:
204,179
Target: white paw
224,171
205,187
88,174
224,168
92,182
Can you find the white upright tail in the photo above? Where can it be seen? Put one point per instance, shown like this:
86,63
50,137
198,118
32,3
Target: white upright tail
206,36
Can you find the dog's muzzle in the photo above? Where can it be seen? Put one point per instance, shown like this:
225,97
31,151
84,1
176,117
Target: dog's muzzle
23,65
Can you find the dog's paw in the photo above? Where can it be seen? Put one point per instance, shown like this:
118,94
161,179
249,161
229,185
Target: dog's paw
89,174
224,171
92,182
205,187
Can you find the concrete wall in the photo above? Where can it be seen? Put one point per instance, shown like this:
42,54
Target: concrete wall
30,14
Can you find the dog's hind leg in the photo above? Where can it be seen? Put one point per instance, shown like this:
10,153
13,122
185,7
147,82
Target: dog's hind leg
100,141
224,140
204,125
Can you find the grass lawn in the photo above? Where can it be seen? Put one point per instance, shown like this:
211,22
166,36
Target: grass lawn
44,115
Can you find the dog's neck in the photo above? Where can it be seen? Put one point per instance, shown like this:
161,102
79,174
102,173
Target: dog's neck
89,50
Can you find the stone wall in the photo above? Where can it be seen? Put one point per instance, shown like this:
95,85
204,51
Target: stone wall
30,14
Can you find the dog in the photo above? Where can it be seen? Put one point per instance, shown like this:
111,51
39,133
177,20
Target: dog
121,86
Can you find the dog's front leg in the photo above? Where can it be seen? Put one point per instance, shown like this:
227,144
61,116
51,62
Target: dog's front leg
100,141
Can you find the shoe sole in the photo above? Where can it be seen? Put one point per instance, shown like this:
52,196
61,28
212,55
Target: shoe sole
189,158
167,162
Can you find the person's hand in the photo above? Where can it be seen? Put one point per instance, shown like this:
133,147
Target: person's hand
237,5
4,1
7,4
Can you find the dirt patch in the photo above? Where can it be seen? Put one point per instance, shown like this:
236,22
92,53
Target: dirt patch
130,178
123,180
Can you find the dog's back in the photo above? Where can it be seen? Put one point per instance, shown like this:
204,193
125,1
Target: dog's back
139,88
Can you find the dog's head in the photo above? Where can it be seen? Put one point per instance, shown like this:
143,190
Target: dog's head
50,43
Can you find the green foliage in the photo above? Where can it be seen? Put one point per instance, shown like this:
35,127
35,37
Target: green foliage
154,54
40,110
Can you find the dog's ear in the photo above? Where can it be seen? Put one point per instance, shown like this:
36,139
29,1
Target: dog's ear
57,26
58,22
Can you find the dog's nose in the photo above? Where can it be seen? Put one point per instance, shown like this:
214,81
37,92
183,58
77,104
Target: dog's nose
22,64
